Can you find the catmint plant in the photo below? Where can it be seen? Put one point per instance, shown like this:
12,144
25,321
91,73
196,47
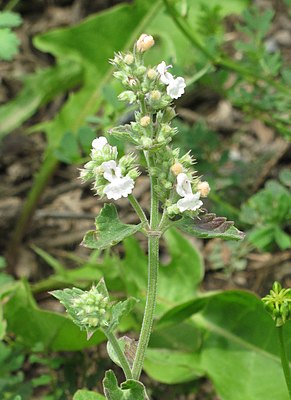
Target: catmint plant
278,304
177,194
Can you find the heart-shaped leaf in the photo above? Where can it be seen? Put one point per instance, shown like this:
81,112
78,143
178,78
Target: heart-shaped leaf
109,229
129,390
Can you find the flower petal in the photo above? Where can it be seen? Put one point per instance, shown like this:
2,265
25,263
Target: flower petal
189,202
119,187
99,143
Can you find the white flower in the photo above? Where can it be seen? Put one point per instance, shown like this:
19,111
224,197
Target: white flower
119,186
183,185
99,143
189,200
165,76
176,87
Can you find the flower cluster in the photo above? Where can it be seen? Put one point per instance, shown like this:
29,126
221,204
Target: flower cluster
152,89
278,304
91,309
110,178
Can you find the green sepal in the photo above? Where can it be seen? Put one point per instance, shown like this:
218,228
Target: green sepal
109,230
122,132
208,226
129,390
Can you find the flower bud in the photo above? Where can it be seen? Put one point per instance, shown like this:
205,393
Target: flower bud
152,74
145,121
146,142
140,71
203,188
144,42
173,210
177,168
128,95
128,59
155,95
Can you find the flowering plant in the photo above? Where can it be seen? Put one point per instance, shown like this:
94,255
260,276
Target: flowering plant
176,193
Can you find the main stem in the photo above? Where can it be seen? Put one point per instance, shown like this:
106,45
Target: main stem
284,359
153,266
118,351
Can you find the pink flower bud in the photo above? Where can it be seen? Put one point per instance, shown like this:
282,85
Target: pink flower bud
144,42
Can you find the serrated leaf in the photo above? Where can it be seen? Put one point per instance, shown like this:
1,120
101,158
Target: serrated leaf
9,19
109,230
129,390
208,226
119,310
8,44
87,395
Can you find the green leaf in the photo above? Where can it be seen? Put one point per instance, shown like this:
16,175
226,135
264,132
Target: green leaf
38,89
282,239
3,323
91,44
119,310
87,395
239,344
178,279
8,44
36,328
109,230
9,19
68,150
285,174
129,390
208,226
171,366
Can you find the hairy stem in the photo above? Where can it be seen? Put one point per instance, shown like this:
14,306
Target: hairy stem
153,266
137,207
284,359
118,351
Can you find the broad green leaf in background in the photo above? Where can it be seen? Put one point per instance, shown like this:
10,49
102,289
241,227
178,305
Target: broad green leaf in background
239,349
92,43
208,226
129,390
9,19
37,328
87,395
38,89
2,323
178,279
109,229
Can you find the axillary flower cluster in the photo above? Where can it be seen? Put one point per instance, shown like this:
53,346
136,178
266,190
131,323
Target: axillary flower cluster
152,89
